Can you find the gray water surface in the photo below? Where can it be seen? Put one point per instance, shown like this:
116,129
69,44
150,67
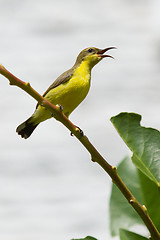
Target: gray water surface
49,188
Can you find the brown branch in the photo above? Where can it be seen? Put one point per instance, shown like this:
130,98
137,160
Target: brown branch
95,155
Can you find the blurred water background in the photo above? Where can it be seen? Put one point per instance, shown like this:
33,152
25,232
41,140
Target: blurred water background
49,188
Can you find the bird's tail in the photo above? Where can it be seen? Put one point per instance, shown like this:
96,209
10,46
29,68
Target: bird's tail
26,128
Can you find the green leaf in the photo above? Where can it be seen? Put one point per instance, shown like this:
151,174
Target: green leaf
86,238
146,192
151,198
127,235
122,215
143,142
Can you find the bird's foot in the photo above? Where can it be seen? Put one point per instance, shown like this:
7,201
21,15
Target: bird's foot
77,129
59,107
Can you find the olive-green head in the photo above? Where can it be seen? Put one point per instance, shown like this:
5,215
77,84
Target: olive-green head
92,56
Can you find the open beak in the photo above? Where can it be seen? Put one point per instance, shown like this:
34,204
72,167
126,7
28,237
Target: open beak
101,51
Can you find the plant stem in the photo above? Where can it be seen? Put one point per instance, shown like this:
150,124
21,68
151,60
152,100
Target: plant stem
95,155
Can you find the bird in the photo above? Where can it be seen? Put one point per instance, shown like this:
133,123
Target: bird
68,90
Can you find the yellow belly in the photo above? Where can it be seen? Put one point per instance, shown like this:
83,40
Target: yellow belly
69,95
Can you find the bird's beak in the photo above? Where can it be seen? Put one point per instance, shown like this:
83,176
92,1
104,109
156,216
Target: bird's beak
101,51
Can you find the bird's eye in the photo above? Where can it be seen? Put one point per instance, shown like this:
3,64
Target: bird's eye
90,50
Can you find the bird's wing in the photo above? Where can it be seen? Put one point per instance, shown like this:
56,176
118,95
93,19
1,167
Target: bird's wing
63,78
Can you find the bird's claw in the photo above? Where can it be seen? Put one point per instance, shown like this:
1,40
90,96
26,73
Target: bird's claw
60,107
77,129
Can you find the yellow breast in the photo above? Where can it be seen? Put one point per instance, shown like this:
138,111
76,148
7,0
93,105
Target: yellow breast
69,95
73,92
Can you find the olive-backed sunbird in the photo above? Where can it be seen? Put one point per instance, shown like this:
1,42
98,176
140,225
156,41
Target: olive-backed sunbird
68,90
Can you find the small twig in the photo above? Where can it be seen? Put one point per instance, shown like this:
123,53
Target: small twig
95,155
